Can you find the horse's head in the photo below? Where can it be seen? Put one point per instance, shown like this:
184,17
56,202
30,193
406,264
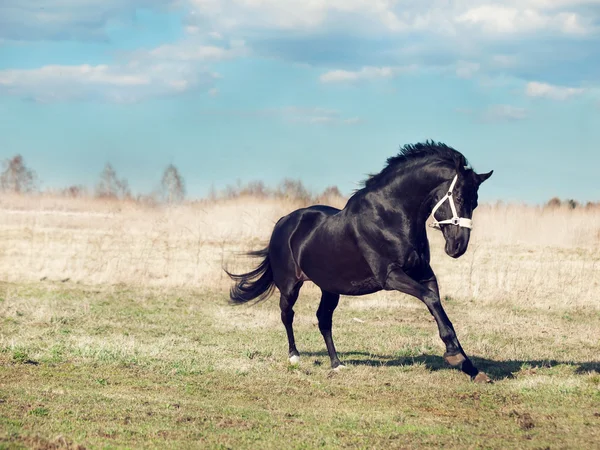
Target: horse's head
455,202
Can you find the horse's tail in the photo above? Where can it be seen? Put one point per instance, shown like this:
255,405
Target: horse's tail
253,284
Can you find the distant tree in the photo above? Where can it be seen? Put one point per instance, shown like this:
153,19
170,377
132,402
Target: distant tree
572,204
332,191
255,189
293,189
554,202
75,191
151,200
17,177
110,186
172,185
233,191
212,193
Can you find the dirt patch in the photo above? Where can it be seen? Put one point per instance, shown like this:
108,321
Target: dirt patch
524,420
228,422
39,443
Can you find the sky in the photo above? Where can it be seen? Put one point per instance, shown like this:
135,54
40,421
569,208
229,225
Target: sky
320,90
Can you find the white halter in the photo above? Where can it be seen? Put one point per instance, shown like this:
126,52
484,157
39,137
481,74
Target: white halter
460,221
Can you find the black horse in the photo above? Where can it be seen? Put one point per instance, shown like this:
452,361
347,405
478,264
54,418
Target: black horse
378,241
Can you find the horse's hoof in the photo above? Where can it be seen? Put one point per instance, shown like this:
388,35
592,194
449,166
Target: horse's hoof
338,368
294,360
482,378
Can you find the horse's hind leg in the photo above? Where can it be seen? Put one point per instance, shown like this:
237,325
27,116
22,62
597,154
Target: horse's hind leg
286,303
327,306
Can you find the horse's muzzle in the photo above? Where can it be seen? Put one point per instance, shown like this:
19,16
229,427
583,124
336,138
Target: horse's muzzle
456,246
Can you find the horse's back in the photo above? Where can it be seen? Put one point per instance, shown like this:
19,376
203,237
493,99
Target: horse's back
318,244
310,215
297,226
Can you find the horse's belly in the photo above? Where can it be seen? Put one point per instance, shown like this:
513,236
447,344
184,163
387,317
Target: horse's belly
341,285
362,287
346,277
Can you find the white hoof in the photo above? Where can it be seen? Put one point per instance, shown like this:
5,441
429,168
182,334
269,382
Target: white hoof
340,367
294,360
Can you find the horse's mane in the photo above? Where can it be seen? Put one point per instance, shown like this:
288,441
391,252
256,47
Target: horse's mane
430,150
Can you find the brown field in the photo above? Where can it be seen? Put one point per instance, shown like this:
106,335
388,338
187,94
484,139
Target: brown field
132,298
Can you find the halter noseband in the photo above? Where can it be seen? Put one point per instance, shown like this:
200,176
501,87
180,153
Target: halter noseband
460,221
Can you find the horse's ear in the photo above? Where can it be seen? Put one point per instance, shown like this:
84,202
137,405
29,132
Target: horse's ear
481,177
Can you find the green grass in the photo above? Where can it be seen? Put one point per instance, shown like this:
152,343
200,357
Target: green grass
121,367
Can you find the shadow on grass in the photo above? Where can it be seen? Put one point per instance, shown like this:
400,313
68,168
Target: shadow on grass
496,369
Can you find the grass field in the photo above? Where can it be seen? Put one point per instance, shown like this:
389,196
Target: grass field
115,333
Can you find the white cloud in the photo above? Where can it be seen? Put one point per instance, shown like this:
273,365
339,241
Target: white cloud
537,89
305,114
466,69
555,4
503,61
353,121
306,15
98,75
128,82
213,92
504,19
193,51
359,39
366,73
135,75
215,35
496,113
88,19
295,114
356,40
68,19
509,16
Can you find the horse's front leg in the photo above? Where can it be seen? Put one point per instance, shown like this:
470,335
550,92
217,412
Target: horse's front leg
455,355
428,293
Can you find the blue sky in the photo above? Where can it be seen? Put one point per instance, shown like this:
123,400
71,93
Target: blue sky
322,90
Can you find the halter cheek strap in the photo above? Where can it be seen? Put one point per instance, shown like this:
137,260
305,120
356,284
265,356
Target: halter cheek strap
460,221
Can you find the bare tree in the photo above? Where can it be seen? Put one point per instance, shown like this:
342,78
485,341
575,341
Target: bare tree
293,189
572,204
554,202
255,189
172,185
110,186
17,177
212,193
332,191
75,191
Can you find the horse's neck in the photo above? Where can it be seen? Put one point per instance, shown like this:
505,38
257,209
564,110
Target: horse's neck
410,191
413,191
418,186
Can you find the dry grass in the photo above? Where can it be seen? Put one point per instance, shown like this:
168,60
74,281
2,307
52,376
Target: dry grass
517,253
120,242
